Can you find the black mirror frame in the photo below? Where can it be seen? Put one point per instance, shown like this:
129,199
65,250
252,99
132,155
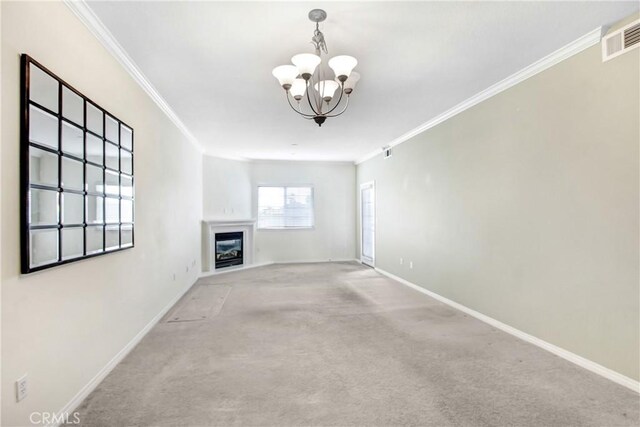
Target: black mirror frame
26,62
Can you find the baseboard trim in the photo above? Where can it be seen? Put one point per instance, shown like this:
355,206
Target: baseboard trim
316,261
233,269
262,264
101,375
558,351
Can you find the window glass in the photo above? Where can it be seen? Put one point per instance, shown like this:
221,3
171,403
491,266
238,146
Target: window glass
285,207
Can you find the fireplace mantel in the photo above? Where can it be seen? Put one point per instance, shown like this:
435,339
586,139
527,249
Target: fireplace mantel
213,226
227,222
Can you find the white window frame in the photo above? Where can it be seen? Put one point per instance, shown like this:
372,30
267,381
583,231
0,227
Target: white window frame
285,186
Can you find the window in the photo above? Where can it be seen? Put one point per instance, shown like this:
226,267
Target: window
285,207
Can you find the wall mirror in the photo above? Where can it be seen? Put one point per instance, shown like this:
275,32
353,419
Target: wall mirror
77,184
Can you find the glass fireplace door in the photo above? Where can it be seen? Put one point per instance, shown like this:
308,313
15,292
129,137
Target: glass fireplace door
229,249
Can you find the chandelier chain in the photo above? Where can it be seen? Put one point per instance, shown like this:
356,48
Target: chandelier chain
319,41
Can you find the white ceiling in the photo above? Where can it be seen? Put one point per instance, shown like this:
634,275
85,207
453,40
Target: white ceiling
212,63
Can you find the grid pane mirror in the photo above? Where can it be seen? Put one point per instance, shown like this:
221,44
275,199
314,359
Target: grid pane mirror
77,197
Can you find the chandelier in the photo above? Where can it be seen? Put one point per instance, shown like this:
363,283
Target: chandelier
305,79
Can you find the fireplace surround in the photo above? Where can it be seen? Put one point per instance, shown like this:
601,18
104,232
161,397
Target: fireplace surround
211,264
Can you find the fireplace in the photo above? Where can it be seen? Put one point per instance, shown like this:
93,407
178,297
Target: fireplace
211,227
229,247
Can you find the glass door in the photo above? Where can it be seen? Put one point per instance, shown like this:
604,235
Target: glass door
367,223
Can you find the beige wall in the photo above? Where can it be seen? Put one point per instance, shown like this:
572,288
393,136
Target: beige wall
525,208
61,326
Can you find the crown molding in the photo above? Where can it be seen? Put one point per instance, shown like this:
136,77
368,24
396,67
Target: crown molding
210,155
82,10
576,46
301,162
225,157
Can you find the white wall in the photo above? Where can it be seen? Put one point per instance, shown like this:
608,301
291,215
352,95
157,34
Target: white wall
63,325
230,192
333,237
226,188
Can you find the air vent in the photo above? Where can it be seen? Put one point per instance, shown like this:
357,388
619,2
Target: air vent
621,41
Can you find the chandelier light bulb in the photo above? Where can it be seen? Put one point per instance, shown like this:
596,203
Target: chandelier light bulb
350,83
298,89
286,74
326,89
342,66
306,63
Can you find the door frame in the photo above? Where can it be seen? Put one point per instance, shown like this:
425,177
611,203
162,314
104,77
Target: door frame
364,185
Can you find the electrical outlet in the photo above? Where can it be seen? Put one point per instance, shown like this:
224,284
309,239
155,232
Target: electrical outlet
174,277
21,388
401,261
411,265
187,268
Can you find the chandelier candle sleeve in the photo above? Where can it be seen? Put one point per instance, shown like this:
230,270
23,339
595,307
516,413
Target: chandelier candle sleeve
308,78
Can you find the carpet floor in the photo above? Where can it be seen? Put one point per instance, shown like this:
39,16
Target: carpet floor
338,344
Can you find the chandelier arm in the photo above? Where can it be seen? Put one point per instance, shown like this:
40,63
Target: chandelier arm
314,104
296,110
309,100
339,99
343,110
315,97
